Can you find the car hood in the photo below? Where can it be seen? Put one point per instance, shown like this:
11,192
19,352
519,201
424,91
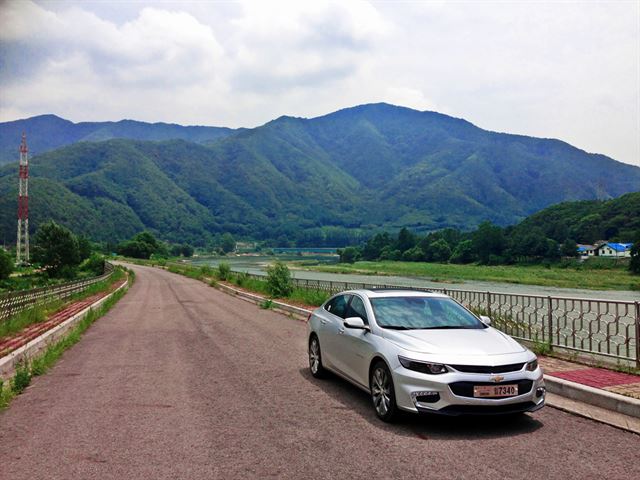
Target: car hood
467,342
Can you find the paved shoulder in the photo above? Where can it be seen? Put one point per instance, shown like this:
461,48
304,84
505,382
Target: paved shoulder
182,381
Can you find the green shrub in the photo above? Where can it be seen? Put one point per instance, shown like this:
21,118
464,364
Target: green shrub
242,279
22,378
224,271
206,270
279,280
267,304
93,264
6,264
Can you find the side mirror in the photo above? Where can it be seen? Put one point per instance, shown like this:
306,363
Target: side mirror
356,323
486,320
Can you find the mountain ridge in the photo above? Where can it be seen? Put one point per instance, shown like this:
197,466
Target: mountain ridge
334,177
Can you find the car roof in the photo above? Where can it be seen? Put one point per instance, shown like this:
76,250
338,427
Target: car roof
395,292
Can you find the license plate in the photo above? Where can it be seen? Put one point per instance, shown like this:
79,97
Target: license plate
495,390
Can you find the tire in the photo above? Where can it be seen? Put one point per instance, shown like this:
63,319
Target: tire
383,394
315,358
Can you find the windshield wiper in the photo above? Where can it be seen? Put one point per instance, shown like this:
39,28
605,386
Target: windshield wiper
396,327
446,327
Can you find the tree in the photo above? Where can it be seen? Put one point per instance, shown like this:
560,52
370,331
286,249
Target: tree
56,249
406,240
373,248
84,247
6,264
349,254
440,250
463,253
488,240
134,249
634,264
185,250
143,245
569,248
228,243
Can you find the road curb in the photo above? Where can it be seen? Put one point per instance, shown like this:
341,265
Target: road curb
34,347
593,396
300,313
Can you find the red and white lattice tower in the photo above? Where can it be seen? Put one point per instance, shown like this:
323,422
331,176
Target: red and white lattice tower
22,250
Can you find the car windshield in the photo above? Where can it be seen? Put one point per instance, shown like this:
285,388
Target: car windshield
410,313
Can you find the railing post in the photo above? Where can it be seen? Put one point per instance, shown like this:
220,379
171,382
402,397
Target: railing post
550,322
330,287
638,335
489,304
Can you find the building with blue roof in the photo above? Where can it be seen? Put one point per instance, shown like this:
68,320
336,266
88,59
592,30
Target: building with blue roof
613,249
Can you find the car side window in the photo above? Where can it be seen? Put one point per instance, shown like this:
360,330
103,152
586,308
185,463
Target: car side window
357,309
338,306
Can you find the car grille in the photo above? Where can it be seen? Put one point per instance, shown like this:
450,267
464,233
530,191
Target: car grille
485,409
514,367
465,389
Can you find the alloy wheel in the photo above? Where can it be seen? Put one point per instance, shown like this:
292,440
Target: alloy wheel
314,356
381,391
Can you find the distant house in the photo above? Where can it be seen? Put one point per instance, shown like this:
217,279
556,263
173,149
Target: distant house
611,249
586,251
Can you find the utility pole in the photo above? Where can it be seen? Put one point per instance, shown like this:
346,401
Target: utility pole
22,247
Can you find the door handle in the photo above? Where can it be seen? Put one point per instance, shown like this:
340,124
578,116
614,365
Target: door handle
341,330
323,321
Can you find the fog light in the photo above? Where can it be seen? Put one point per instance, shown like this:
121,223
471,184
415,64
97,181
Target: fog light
425,397
540,391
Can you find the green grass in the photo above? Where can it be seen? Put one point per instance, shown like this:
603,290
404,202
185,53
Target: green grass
598,278
23,319
309,297
43,362
39,313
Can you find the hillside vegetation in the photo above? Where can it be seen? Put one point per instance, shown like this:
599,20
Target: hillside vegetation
332,180
544,237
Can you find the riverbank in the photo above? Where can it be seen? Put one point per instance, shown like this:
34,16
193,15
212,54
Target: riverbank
553,276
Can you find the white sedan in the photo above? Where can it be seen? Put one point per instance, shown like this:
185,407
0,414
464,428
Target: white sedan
422,352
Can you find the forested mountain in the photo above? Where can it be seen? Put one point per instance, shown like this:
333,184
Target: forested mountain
47,132
316,181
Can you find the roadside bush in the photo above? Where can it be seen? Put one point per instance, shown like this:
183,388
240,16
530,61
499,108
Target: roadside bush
6,264
279,280
21,379
242,278
93,264
224,271
206,270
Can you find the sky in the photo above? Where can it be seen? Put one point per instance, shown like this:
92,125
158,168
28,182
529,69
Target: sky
562,69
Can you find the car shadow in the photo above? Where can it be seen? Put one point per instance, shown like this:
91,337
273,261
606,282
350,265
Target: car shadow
428,426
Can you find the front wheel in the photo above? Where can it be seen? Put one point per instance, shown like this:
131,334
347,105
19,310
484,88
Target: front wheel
315,358
383,394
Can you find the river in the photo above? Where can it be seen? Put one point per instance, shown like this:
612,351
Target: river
258,264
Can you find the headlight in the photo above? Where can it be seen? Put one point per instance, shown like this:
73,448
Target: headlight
423,367
532,365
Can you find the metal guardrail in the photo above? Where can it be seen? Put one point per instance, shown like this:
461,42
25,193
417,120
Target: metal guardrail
608,328
14,302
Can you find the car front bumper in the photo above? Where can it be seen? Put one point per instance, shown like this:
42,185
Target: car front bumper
452,393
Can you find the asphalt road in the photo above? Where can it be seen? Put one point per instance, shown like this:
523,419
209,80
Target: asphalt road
181,381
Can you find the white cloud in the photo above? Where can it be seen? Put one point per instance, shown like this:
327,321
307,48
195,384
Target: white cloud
564,70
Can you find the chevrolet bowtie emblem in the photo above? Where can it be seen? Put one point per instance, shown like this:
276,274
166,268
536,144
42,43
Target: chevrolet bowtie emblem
497,378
